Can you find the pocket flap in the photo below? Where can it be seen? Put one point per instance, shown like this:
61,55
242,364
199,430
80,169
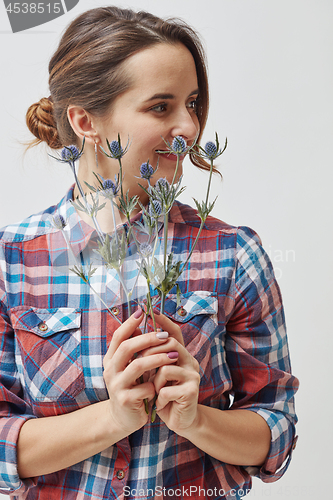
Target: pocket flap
45,322
191,304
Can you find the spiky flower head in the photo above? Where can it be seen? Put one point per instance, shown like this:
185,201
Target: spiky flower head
70,153
110,187
162,185
58,221
145,250
155,208
146,170
116,150
179,145
211,149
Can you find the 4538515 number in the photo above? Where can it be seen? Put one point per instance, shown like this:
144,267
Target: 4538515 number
34,8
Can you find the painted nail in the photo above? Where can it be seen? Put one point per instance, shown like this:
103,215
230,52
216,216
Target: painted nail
162,335
137,313
173,354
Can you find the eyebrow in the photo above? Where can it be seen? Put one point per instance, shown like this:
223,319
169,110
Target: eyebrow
169,96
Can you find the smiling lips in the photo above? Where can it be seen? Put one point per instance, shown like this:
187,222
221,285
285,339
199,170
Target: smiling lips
171,156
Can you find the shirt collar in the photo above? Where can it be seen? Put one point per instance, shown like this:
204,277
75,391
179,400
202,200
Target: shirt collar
78,233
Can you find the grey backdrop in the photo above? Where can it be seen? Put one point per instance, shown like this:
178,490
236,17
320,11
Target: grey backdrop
271,78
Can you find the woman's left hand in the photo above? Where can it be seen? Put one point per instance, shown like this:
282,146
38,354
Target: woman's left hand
176,385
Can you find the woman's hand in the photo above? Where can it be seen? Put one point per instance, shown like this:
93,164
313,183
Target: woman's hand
177,384
122,371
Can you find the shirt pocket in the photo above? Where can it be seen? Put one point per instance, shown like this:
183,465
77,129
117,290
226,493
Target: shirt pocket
196,314
191,304
48,352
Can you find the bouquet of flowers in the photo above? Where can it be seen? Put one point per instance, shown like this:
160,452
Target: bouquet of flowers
156,269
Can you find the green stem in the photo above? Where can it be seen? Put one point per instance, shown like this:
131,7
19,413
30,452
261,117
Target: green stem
176,170
203,220
209,181
163,297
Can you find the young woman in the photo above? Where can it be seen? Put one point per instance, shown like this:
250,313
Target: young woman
73,422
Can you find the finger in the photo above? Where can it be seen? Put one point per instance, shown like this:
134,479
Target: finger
173,373
185,359
142,391
141,365
166,324
128,348
171,344
125,331
180,394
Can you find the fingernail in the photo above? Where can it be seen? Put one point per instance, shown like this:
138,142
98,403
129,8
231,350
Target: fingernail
162,335
172,354
156,311
137,313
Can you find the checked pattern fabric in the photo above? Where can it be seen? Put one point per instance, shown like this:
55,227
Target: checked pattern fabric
54,335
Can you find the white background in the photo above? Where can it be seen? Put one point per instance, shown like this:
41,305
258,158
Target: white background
271,77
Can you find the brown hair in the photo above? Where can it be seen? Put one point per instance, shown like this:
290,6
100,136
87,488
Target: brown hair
87,70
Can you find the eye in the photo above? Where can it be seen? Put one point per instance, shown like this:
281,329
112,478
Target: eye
193,104
159,108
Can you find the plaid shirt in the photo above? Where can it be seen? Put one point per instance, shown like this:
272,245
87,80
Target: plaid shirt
54,335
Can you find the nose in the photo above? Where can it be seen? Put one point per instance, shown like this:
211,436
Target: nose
186,124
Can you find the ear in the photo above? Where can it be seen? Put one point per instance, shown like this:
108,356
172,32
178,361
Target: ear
82,123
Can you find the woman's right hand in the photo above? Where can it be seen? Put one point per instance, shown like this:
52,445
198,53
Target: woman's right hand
122,371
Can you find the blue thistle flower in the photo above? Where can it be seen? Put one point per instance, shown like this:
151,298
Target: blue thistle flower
146,170
116,150
145,250
162,185
110,187
70,153
179,145
58,221
155,208
211,149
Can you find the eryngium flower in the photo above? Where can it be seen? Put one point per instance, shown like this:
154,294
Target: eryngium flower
116,150
146,171
162,185
155,208
58,221
110,187
210,149
145,250
70,153
179,145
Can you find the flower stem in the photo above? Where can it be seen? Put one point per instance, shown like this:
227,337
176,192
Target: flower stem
202,220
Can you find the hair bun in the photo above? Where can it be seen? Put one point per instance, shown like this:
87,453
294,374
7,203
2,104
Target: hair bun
41,123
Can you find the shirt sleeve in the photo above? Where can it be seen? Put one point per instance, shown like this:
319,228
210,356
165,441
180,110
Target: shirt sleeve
14,411
258,355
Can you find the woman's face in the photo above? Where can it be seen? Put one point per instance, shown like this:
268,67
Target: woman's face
160,104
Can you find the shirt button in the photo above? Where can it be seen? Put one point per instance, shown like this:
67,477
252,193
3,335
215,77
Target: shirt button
182,311
43,327
115,311
120,474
